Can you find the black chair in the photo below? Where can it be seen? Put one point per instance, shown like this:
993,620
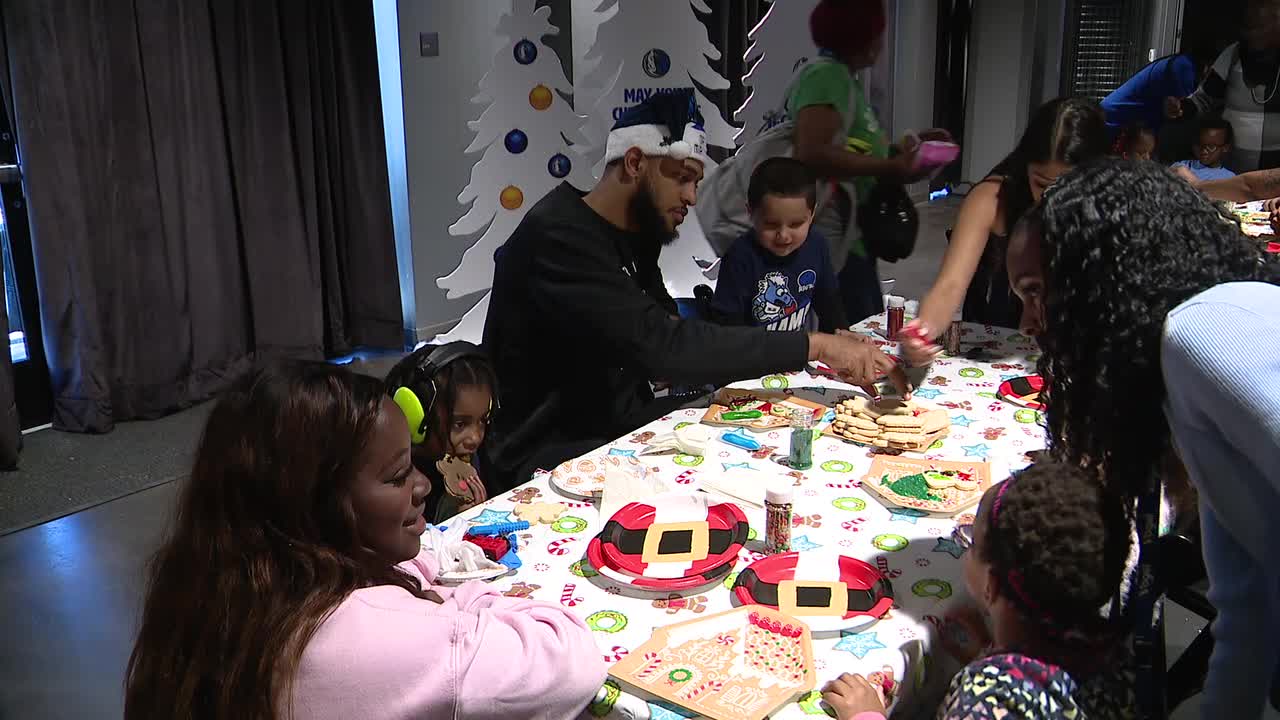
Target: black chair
1181,571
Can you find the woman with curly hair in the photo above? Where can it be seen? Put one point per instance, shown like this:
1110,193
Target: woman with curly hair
294,584
1160,328
1049,549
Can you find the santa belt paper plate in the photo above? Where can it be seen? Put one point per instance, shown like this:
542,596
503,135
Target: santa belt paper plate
828,592
679,536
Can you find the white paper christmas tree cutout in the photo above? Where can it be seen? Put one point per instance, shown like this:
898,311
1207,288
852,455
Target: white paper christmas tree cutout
780,42
525,132
656,44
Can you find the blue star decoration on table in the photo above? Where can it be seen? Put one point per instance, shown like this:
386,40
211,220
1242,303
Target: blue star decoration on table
491,517
623,453
1005,377
950,547
802,543
960,420
736,466
859,644
926,393
981,450
906,515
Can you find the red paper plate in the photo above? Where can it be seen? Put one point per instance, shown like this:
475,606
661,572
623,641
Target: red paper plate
632,543
837,592
1022,391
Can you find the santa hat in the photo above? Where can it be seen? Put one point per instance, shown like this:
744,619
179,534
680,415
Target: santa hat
665,124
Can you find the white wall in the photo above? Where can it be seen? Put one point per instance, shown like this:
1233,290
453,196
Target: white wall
1000,77
429,121
914,69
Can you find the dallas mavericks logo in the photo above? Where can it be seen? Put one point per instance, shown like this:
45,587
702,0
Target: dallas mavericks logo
773,300
656,63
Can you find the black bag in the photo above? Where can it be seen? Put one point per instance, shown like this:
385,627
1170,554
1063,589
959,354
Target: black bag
889,222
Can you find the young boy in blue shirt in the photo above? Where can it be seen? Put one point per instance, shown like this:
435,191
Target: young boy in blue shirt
779,273
1212,144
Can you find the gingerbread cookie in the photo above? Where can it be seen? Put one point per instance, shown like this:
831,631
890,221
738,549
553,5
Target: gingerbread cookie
540,513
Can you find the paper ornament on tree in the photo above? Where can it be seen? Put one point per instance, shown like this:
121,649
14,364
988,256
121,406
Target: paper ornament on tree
643,48
780,43
525,132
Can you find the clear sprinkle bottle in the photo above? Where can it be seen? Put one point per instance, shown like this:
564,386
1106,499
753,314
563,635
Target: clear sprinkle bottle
777,520
801,440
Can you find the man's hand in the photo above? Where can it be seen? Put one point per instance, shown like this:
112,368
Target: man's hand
850,694
857,360
1173,108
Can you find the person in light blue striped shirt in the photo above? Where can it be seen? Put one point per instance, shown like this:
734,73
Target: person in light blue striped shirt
1160,324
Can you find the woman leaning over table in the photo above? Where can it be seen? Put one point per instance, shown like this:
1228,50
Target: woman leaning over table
294,585
1160,328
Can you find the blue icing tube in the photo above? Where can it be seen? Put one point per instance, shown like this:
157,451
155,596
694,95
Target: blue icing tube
741,441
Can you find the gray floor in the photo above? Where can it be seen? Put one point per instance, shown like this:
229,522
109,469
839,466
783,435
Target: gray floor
70,589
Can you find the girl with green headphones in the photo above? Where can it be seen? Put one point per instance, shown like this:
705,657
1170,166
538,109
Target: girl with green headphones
448,394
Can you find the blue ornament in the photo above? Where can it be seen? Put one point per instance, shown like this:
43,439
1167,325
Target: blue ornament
516,142
559,165
525,52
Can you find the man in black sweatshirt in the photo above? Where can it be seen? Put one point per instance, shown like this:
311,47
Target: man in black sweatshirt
580,321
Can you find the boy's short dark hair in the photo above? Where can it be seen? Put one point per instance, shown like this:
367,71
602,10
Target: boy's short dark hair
1217,122
782,176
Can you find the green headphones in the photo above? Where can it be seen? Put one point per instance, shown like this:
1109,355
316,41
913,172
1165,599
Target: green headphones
417,410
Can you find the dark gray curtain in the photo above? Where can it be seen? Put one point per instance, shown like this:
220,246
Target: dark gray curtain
207,184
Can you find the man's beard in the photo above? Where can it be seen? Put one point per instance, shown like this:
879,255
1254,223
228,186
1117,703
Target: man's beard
648,219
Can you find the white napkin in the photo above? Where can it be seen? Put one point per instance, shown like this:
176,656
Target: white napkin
454,554
628,484
748,486
690,440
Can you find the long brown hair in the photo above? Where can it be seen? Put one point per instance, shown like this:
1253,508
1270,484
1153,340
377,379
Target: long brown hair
264,547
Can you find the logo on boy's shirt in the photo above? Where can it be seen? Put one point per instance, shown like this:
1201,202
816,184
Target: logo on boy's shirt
775,306
806,281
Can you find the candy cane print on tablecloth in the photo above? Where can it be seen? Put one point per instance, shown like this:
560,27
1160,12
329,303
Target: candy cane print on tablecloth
882,564
567,597
557,547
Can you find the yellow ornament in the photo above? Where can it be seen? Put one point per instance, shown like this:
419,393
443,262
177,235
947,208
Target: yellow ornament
511,197
540,97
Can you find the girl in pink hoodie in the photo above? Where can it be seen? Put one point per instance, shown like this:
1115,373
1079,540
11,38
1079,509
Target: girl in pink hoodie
294,586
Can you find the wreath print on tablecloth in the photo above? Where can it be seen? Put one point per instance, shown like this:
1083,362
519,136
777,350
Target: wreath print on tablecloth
775,382
889,542
607,621
849,504
687,460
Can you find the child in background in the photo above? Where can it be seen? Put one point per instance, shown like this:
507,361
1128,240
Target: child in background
454,387
1049,550
1135,142
1213,144
779,271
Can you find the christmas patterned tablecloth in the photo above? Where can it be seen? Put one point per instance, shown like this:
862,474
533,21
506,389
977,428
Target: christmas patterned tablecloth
832,513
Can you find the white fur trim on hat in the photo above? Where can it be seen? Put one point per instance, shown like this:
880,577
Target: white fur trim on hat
650,139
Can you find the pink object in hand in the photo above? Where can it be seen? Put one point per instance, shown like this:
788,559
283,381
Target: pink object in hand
936,153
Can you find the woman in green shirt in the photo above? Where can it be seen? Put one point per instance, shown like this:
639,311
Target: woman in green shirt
827,101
